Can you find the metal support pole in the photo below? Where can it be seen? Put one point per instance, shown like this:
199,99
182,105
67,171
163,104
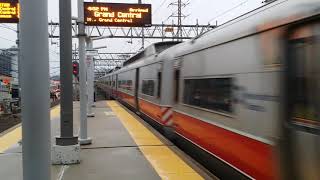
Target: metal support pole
66,114
142,30
142,41
18,58
179,33
36,132
92,83
83,139
162,32
90,75
92,86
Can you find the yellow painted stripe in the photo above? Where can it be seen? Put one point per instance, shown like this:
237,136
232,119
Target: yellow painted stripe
12,137
167,164
55,112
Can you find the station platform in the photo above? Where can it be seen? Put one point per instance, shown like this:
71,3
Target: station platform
124,147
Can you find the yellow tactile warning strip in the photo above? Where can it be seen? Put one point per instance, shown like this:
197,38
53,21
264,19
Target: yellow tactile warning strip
9,139
166,163
12,137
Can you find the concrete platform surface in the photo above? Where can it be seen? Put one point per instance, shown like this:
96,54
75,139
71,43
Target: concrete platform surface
123,148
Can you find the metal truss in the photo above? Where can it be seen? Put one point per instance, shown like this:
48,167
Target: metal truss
111,59
104,62
107,61
156,31
100,72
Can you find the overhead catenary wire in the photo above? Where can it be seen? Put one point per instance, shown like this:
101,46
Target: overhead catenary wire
56,67
7,39
54,72
7,27
229,10
157,10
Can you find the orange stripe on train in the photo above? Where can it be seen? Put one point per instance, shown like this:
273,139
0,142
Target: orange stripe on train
127,98
150,109
253,157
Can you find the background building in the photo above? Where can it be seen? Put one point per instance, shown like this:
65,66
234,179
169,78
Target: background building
9,80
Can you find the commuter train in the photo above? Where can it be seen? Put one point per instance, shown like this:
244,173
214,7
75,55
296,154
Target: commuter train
243,99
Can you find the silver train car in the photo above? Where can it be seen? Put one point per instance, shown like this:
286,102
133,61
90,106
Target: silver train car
243,99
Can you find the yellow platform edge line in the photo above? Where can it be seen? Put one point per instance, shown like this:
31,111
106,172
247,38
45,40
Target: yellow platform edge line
167,164
13,136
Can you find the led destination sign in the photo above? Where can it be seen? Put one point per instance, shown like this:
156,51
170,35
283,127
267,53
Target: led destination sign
9,11
117,14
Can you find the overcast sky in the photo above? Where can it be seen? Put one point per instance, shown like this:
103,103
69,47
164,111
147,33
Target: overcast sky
205,11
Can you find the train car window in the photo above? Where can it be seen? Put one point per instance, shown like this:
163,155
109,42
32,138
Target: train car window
129,85
159,85
213,94
148,87
120,84
125,84
271,47
305,82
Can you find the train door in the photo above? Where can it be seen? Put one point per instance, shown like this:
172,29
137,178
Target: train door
159,80
176,84
116,86
177,67
301,148
136,91
112,85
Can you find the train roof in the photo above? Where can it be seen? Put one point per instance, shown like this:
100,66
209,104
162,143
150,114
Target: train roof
153,49
266,17
147,55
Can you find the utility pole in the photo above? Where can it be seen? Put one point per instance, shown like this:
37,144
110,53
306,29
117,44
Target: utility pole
36,132
83,139
179,17
142,30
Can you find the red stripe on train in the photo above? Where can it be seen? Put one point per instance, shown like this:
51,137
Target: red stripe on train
252,157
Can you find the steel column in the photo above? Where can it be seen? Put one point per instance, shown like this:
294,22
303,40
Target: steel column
18,57
34,54
90,75
83,139
66,114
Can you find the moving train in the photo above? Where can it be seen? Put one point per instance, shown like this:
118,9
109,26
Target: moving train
242,99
